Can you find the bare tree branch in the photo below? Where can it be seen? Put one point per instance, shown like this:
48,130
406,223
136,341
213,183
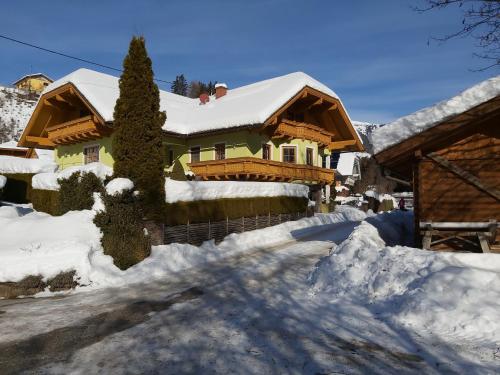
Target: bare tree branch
480,21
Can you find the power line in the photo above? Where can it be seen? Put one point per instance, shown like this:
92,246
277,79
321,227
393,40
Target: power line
68,56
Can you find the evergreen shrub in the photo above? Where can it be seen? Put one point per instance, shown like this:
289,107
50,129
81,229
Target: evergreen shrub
76,191
123,238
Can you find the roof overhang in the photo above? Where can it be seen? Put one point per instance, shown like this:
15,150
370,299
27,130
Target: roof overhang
399,157
332,112
41,123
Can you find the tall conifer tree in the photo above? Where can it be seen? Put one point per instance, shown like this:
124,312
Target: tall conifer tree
180,85
137,142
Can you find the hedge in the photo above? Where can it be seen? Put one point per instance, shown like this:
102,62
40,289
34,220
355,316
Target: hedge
233,208
46,201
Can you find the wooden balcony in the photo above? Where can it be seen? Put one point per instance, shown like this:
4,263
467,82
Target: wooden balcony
80,130
256,169
302,130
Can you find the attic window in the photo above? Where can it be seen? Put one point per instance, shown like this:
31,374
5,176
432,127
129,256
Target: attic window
334,160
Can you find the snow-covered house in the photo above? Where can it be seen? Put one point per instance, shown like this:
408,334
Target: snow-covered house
35,82
450,153
12,149
274,130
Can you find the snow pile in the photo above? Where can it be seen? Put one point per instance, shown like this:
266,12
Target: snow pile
207,190
341,188
3,181
48,181
446,293
40,244
419,121
118,185
12,164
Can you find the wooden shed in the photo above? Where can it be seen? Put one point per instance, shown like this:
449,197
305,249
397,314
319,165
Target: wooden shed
453,165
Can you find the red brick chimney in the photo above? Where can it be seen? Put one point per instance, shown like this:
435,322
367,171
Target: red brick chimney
204,98
220,90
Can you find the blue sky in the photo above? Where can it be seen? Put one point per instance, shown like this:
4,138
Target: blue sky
374,54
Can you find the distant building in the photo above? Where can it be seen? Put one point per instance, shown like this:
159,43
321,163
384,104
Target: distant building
33,82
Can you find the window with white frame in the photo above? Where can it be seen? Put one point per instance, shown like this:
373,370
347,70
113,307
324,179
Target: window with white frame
91,154
309,156
220,151
194,153
288,154
266,151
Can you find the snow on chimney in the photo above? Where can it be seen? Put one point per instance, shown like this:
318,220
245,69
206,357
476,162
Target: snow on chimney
220,90
204,98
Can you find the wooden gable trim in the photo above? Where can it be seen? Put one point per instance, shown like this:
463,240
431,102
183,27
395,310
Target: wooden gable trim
28,139
336,105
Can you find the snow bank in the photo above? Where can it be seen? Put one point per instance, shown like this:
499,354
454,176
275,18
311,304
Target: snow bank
419,121
118,185
12,164
3,181
40,244
446,293
206,190
48,181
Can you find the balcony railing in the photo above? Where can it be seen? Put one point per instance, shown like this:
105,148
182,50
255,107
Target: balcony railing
79,130
302,130
256,169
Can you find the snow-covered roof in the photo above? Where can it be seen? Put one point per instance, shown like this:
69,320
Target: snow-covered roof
407,126
246,105
43,154
33,75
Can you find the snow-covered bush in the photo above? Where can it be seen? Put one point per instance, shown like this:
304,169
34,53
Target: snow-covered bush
121,224
76,192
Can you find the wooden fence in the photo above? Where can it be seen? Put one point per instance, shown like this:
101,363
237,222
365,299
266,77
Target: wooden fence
196,234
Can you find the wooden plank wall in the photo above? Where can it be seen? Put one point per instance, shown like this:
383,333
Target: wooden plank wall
444,196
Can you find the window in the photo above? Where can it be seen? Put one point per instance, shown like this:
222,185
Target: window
266,151
288,154
323,161
334,160
91,154
309,156
195,154
170,157
220,151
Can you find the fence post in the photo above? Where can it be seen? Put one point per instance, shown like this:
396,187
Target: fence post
209,230
227,225
257,221
187,234
279,217
269,218
243,222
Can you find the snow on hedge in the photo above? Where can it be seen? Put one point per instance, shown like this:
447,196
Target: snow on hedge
419,121
48,181
446,293
12,164
118,185
185,191
3,181
39,244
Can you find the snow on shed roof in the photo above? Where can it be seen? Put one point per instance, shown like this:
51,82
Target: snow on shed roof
405,127
245,105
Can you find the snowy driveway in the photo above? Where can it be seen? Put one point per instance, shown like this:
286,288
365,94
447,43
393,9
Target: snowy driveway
247,314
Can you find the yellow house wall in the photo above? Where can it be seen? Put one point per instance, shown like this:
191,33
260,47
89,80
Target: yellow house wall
71,155
33,84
